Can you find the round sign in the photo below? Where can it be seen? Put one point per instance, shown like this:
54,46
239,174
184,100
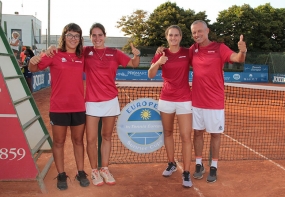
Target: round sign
139,126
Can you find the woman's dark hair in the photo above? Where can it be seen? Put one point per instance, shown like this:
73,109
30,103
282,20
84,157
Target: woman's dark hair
62,40
97,25
29,52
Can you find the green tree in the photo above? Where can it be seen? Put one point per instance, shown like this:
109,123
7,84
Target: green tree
233,22
135,27
149,31
270,35
262,27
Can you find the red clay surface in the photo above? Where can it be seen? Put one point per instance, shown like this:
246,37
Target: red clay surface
260,178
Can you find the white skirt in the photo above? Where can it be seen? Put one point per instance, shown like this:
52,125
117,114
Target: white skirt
104,108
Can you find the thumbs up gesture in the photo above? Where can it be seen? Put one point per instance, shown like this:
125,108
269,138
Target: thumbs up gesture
163,58
135,51
242,45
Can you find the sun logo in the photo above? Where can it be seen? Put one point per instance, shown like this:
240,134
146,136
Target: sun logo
145,114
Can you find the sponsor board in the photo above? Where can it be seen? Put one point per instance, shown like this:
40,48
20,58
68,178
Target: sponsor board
278,78
141,75
139,126
255,68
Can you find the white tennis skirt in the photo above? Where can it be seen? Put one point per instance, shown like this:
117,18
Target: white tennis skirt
104,108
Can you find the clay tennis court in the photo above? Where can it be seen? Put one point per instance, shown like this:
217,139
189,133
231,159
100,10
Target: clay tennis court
237,176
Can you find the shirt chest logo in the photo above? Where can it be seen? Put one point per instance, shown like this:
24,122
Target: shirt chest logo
63,59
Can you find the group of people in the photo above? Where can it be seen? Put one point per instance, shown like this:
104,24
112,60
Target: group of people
205,102
23,57
69,107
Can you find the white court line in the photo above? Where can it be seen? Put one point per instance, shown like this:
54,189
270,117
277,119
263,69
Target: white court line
259,154
178,164
8,115
195,188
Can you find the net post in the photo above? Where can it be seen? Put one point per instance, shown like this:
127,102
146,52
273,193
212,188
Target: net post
99,143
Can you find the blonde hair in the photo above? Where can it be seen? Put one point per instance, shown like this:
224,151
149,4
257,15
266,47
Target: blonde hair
15,32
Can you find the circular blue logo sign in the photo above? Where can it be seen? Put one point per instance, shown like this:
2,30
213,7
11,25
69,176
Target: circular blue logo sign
139,126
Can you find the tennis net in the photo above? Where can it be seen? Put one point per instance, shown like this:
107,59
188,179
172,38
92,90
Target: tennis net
254,125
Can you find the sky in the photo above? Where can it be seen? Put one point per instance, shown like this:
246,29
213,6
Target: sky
108,12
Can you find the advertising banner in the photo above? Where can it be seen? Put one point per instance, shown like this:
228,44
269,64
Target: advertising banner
142,75
278,78
255,68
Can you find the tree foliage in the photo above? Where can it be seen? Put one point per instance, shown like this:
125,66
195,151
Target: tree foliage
263,27
135,27
152,32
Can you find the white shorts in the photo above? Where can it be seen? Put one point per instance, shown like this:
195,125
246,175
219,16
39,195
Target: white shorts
104,108
213,120
178,107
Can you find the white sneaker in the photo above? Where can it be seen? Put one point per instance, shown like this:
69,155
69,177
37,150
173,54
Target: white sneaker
170,169
96,178
107,176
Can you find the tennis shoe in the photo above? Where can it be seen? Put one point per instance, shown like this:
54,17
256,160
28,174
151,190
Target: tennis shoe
81,176
200,170
212,177
61,181
170,169
96,178
107,176
186,179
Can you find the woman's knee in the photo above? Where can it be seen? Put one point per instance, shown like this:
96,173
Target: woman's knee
107,136
58,143
77,141
167,133
186,138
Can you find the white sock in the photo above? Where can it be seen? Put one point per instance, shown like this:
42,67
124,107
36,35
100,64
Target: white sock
214,163
199,160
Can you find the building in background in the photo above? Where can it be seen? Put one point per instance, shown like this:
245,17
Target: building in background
31,33
29,28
